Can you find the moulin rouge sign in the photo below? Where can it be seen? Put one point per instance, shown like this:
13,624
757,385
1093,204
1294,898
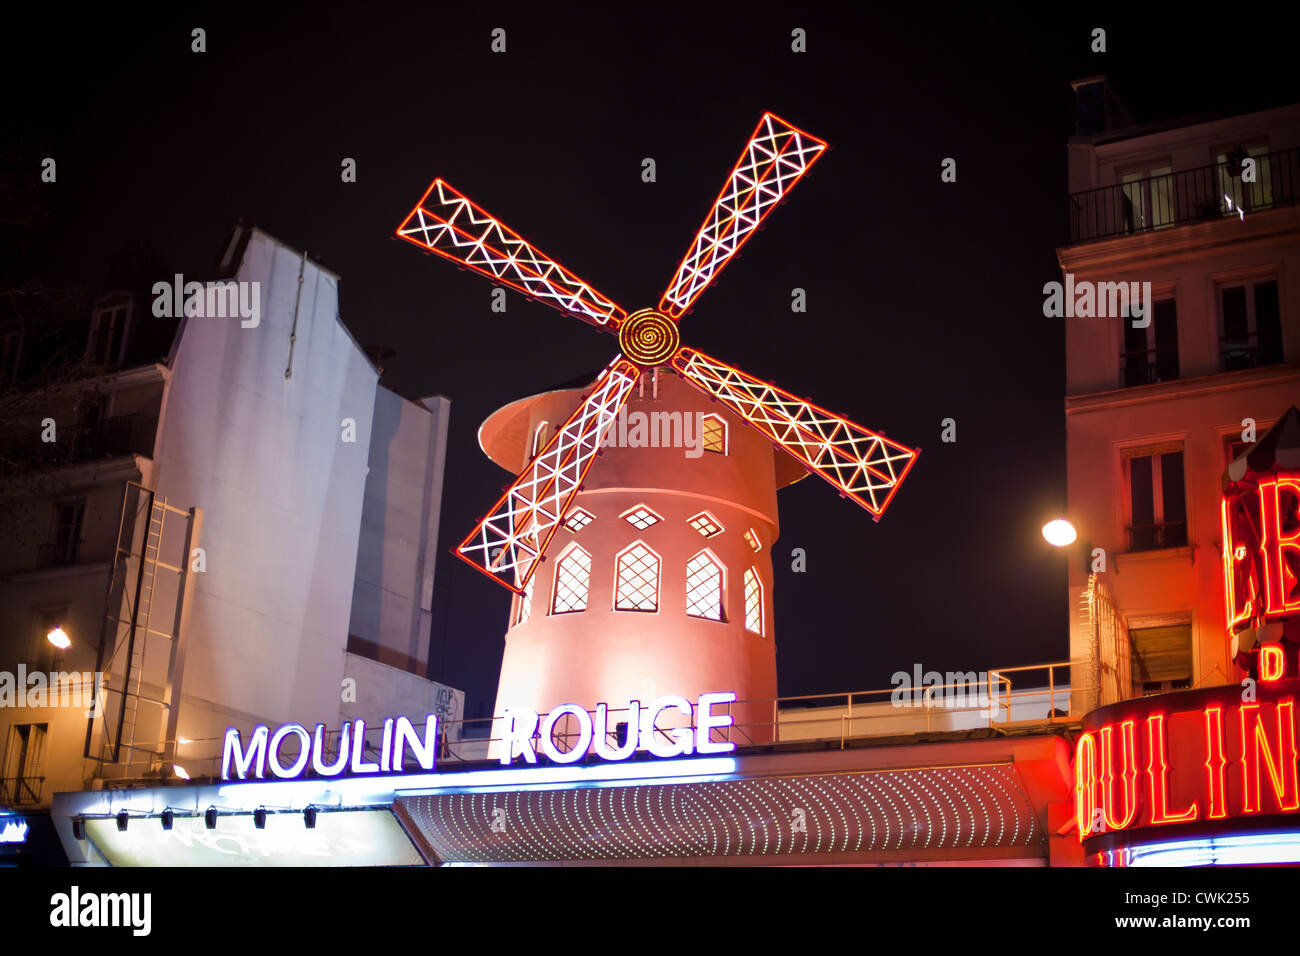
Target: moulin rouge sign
1225,757
527,736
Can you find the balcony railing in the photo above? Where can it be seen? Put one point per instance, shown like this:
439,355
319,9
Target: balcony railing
1190,195
1252,352
21,791
1148,366
1153,537
58,554
122,435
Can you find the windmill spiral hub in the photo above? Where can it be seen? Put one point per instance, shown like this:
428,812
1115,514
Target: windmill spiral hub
649,338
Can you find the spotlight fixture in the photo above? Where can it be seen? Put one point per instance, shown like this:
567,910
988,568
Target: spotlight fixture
79,828
259,818
210,818
309,818
122,820
168,817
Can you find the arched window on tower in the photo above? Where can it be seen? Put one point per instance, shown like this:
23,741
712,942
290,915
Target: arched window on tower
636,579
713,434
753,602
572,581
704,586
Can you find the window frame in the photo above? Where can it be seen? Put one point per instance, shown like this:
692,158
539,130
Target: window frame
751,573
713,559
1154,451
659,577
560,564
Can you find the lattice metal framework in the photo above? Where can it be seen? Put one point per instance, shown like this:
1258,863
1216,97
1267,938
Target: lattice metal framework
520,525
509,542
636,579
572,581
454,227
863,465
753,602
776,158
704,587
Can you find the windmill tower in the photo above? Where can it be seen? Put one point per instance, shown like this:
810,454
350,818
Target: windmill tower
624,587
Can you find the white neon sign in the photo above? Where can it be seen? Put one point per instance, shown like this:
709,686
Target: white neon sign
526,733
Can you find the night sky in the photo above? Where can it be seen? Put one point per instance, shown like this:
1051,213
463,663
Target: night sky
924,298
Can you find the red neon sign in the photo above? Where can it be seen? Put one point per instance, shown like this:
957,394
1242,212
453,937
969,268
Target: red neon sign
1222,759
1261,551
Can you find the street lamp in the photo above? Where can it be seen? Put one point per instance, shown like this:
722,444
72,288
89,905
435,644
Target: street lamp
59,638
1059,533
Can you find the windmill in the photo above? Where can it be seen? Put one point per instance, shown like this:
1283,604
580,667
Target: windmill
507,544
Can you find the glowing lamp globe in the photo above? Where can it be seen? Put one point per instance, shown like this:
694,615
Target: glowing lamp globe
59,638
1059,533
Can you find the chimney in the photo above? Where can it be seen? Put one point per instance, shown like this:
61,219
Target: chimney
1096,107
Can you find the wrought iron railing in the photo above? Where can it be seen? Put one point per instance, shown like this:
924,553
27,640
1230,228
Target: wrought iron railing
1190,195
1153,537
121,435
21,791
1148,366
1251,352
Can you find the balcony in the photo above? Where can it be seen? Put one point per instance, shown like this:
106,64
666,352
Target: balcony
1187,196
1149,366
1156,537
1254,351
121,435
21,791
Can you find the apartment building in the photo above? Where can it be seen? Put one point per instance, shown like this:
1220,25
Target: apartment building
224,513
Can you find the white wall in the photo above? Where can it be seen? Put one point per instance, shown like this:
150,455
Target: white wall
262,454
397,552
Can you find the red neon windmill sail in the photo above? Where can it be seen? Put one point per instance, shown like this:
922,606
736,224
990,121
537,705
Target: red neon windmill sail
508,543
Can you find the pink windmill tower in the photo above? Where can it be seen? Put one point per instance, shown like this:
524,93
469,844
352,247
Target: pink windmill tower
642,570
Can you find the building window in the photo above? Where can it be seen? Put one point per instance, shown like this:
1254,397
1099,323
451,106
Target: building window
11,344
1161,658
640,517
713,434
1256,195
1157,500
526,601
572,581
1151,354
751,539
1252,325
65,534
704,587
753,602
636,574
107,329
578,519
706,524
22,779
1147,198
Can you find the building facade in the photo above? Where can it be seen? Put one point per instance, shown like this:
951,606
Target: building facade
201,506
1197,222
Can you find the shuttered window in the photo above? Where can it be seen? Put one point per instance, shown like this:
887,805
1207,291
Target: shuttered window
1161,657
